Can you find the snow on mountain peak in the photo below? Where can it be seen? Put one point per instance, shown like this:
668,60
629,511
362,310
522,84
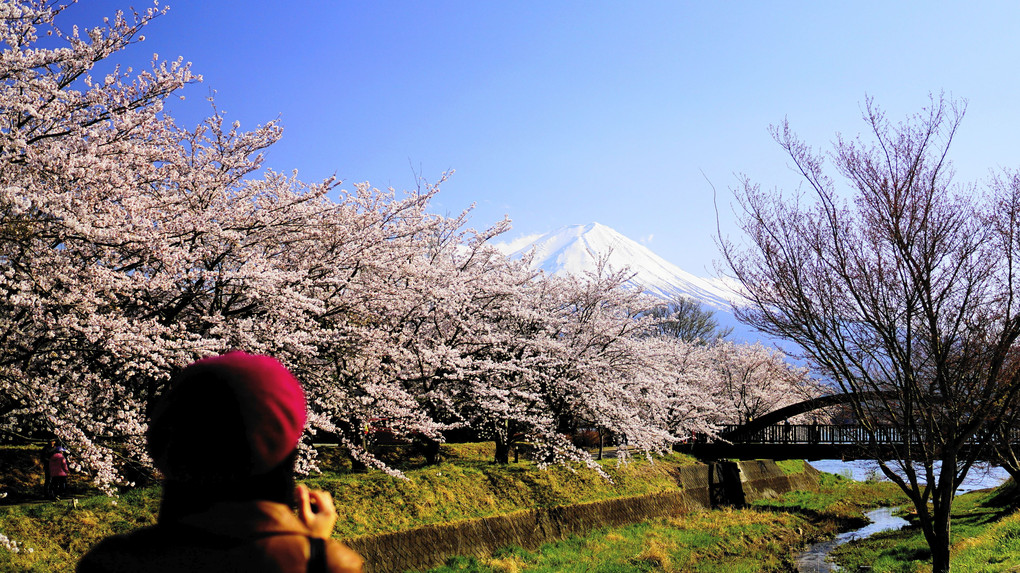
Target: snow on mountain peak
574,249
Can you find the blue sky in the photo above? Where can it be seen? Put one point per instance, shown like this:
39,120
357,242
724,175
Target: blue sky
557,113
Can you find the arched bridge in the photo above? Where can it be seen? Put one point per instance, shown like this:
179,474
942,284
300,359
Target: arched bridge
769,436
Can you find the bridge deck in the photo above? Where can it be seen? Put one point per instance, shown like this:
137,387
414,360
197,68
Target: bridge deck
810,434
798,441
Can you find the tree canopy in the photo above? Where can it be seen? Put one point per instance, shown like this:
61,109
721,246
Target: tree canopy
131,246
898,284
688,320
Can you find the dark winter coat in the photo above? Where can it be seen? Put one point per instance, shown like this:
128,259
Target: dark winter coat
229,537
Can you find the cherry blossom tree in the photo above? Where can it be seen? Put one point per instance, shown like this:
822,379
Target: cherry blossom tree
755,380
609,368
131,246
68,143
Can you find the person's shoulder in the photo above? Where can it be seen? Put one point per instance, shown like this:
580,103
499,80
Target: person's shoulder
342,559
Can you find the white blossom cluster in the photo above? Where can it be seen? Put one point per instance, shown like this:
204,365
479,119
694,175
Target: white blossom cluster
131,246
13,546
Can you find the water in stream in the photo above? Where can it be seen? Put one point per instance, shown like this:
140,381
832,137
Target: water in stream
815,558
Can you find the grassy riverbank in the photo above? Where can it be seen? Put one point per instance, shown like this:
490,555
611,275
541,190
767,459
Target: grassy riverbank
53,535
466,485
734,541
985,533
762,538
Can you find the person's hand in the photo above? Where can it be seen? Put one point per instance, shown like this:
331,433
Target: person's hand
316,510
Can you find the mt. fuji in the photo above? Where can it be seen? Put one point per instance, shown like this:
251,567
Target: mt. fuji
575,249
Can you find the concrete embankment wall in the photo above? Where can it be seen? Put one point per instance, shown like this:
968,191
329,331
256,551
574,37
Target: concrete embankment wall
698,487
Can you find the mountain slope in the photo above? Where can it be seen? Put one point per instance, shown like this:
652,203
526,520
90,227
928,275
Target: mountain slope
575,249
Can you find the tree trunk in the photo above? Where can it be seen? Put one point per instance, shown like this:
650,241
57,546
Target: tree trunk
1006,456
940,546
357,465
941,515
502,451
429,448
1013,471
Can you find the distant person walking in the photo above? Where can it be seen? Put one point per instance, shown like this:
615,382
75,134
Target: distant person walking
58,473
225,437
44,459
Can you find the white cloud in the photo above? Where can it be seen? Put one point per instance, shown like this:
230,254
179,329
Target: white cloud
517,244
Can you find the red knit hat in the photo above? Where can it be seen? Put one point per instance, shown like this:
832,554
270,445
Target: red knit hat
227,417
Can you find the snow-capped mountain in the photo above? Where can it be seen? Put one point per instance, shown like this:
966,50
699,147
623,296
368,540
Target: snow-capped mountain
575,249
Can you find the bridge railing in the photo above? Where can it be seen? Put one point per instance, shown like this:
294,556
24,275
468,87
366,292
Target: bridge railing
813,434
823,434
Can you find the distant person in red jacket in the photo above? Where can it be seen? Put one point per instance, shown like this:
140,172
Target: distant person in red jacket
58,473
44,458
225,437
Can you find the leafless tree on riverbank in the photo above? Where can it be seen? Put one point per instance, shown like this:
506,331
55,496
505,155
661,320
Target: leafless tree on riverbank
900,282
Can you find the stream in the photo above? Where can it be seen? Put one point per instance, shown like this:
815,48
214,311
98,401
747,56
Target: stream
815,558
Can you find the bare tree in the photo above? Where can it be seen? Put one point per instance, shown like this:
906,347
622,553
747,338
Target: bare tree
687,319
1003,444
894,285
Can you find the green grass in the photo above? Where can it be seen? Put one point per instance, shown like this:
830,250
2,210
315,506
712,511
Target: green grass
791,466
996,548
465,485
764,537
58,533
839,498
717,541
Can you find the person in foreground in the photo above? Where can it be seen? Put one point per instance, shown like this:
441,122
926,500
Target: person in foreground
225,437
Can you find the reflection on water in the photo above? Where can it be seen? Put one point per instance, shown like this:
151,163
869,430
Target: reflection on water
815,558
981,476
